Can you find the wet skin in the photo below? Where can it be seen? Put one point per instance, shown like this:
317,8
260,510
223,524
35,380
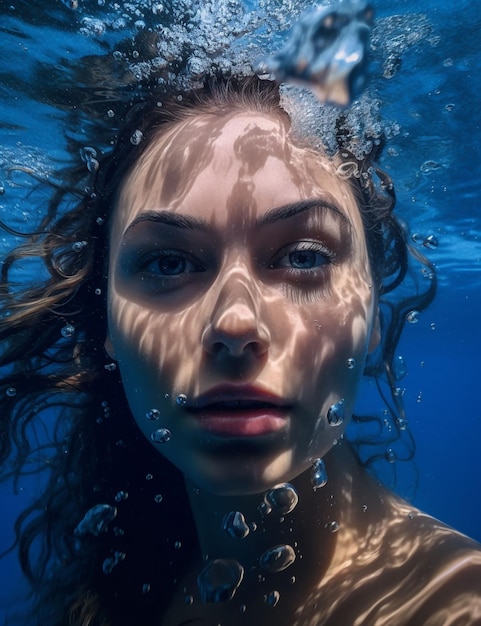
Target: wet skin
238,258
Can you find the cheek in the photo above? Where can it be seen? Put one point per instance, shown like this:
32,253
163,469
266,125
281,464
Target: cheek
327,345
154,348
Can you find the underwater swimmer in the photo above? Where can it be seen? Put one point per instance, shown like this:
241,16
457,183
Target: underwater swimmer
244,281
327,52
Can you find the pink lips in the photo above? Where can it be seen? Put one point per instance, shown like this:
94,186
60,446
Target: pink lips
239,411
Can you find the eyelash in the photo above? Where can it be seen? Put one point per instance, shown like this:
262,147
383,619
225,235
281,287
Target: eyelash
328,257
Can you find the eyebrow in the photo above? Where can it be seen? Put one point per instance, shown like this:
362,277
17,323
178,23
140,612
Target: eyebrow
285,212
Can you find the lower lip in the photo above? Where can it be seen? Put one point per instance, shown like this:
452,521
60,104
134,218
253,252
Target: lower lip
248,423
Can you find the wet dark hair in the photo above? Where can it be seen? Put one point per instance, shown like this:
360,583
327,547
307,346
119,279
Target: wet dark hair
56,375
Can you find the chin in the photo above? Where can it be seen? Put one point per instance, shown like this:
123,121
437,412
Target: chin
242,475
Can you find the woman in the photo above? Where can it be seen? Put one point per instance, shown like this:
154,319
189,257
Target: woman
210,309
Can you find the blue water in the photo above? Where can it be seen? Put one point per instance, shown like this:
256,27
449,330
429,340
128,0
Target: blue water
432,98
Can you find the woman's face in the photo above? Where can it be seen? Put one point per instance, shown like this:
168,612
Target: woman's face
241,304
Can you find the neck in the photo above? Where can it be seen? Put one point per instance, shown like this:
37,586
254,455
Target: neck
310,529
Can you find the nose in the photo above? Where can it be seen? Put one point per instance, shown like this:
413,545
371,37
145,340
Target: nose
235,327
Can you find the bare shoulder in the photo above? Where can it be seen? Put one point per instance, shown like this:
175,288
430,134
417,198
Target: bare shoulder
401,568
442,570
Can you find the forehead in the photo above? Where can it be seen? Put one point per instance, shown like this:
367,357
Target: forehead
246,160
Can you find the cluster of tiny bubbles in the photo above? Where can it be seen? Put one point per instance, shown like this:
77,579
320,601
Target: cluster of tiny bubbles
272,598
432,326
112,561
412,317
89,157
78,246
121,495
399,367
2,189
181,399
350,363
110,367
318,474
153,414
402,423
67,330
419,397
390,455
136,137
118,532
336,412
96,520
278,558
219,580
234,523
161,435
399,391
281,499
11,392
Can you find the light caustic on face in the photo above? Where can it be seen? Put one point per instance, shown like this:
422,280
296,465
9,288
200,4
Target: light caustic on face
240,279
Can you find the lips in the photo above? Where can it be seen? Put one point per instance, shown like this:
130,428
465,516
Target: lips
239,411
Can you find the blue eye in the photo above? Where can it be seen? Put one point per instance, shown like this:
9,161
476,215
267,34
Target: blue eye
305,256
306,259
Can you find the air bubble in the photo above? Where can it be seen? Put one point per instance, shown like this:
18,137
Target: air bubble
88,156
121,495
412,317
219,580
112,561
67,331
278,558
178,545
390,456
98,292
333,526
11,392
153,414
431,242
149,476
282,498
181,399
158,498
161,435
189,600
335,414
2,189
110,367
351,363
136,137
145,588
234,524
96,520
272,598
318,474
100,221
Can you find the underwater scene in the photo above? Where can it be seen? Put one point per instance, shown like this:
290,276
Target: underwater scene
234,387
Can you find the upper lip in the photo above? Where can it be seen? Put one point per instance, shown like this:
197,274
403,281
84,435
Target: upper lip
237,393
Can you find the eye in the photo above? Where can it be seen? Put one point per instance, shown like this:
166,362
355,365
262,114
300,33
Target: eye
166,263
304,255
